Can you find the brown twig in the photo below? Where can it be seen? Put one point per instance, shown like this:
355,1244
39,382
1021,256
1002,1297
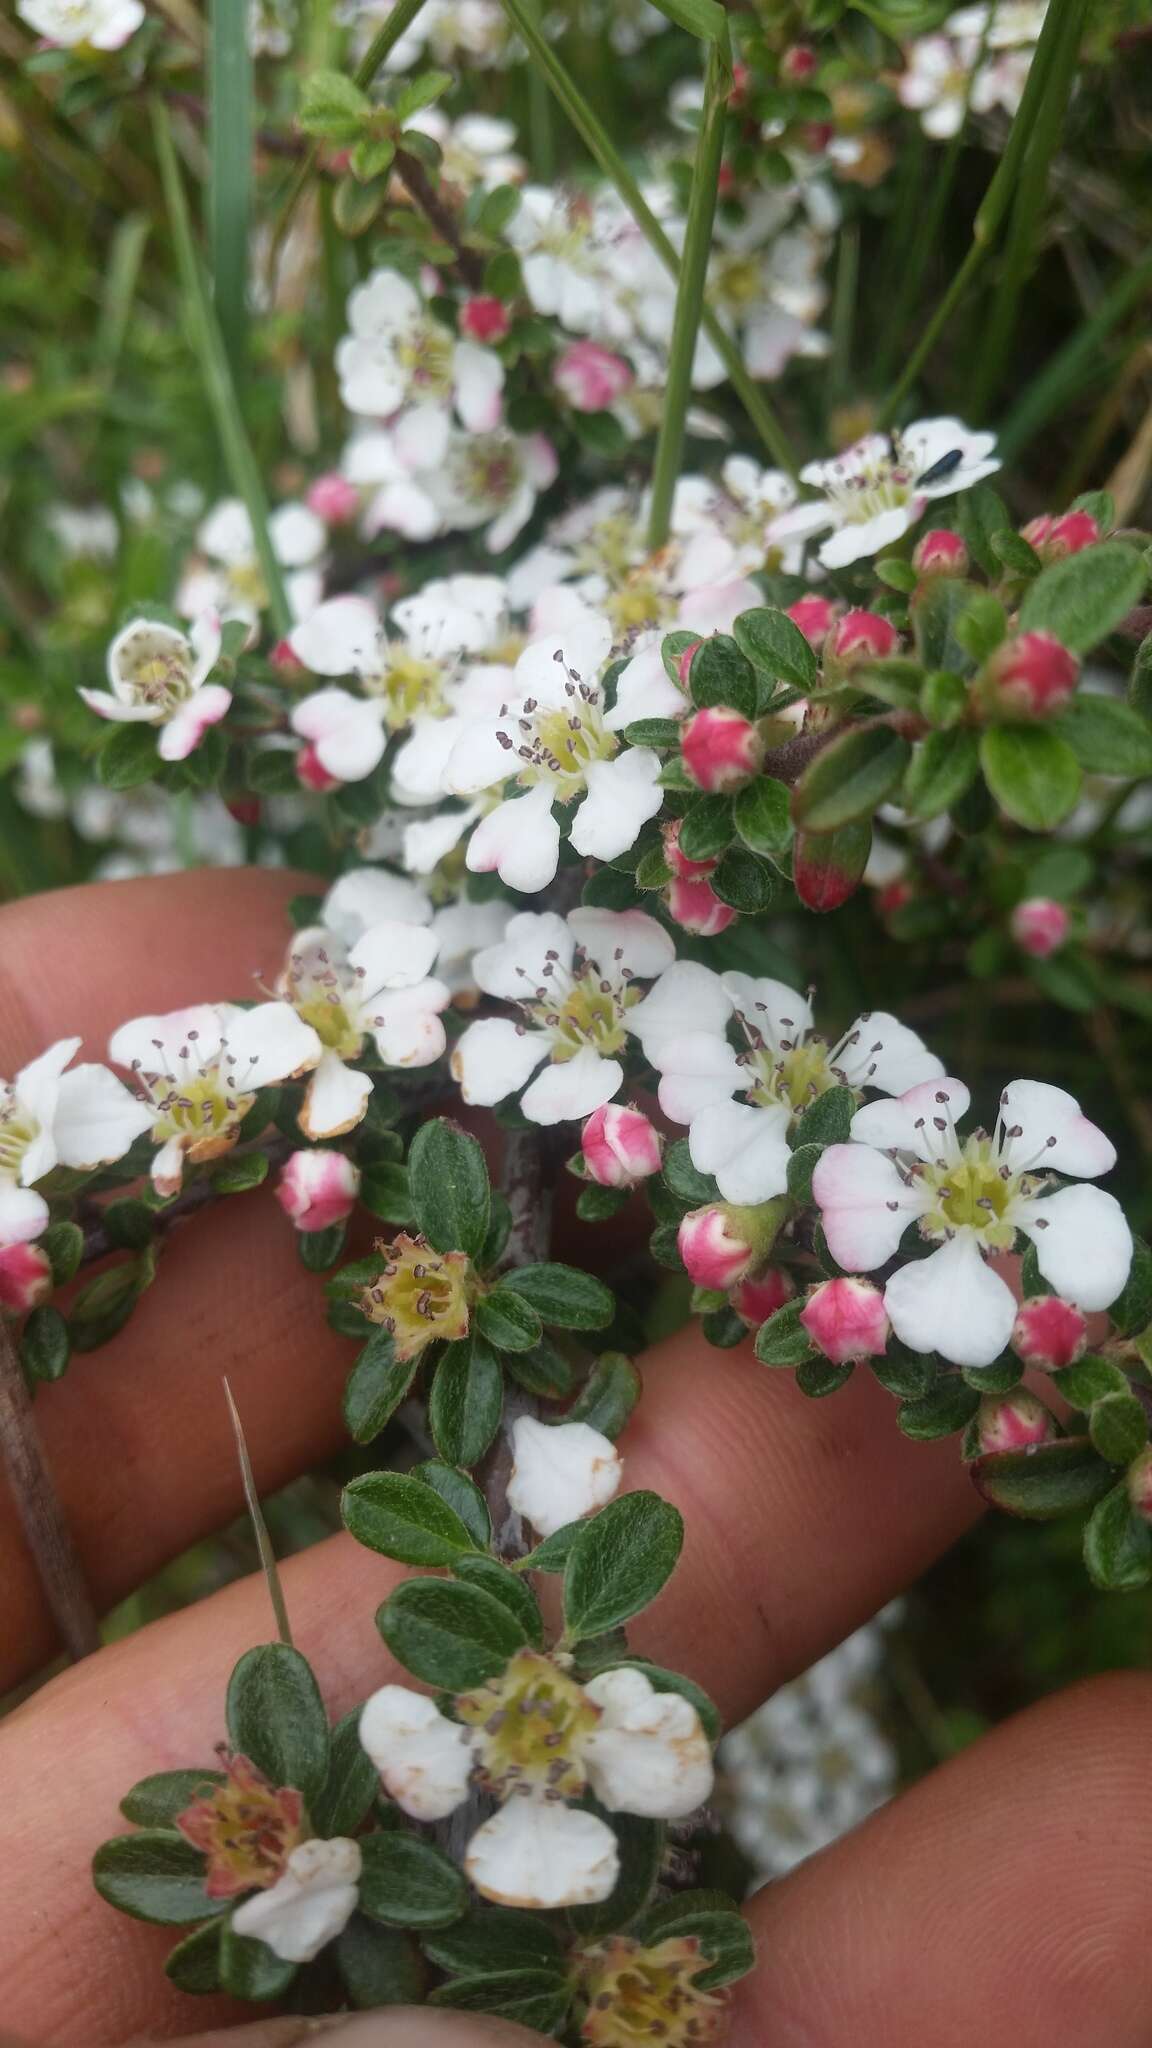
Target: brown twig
41,1515
423,194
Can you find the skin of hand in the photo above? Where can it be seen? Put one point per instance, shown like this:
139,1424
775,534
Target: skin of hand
1002,1902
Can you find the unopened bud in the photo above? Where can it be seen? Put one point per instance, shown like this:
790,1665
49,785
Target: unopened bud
846,1320
798,64
1054,536
692,903
1031,677
722,750
591,378
284,658
621,1146
485,319
1049,1333
756,1299
721,1244
940,553
688,870
862,636
1140,1484
318,1188
814,616
25,1276
333,499
1012,1422
1039,926
311,772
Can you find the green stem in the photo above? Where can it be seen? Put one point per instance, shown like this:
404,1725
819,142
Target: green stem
218,384
690,291
229,222
614,168
994,206
1063,374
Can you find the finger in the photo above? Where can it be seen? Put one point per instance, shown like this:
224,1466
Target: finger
398,2027
1003,1901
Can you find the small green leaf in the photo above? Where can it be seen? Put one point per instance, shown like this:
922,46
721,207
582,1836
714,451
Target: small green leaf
979,514
1106,735
941,1412
1032,773
449,1187
816,1377
377,1384
535,1998
128,757
542,1370
1084,597
351,1785
706,828
157,1801
379,1965
398,1516
449,1635
333,106
1015,553
619,1562
827,866
608,1396
1118,1428
155,1875
462,1495
1046,1480
384,1190
276,1716
407,1882
504,1584
762,815
595,1204
907,1374
1131,1311
194,1964
489,1938
63,1246
319,1250
507,1321
712,1919
465,1401
1118,1544
563,1296
777,647
849,779
249,1969
653,732
744,881
801,1166
552,1555
720,674
941,769
783,1340
239,1173
45,1344
828,1121
691,1188
1089,1380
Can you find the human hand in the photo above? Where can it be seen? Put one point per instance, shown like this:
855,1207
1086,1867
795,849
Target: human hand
1002,1901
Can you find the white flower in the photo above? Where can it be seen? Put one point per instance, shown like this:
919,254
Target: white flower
102,24
551,737
877,489
934,84
491,480
199,1071
365,896
396,501
83,1118
475,150
553,232
908,1164
159,677
536,1738
574,980
378,988
1006,26
741,1106
84,531
226,576
309,1905
399,363
560,1472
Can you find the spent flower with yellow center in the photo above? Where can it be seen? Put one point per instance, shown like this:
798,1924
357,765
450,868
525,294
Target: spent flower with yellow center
422,1296
530,1725
633,1995
247,1828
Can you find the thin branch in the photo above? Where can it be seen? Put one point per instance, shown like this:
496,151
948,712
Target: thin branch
41,1515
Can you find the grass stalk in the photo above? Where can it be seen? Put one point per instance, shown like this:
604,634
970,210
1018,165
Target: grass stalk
229,196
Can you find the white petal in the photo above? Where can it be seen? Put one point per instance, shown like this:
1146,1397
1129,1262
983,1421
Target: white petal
572,1088
392,954
520,839
167,1172
698,1071
407,1027
97,1118
23,1214
536,945
920,1121
347,732
880,1052
421,436
561,1472
188,724
952,1303
780,1014
623,941
365,896
649,1755
645,690
340,638
268,1044
495,1058
1042,1112
856,539
1083,1244
424,1760
336,1098
687,998
746,1148
479,378
622,795
309,1905
157,1045
865,1206
540,1853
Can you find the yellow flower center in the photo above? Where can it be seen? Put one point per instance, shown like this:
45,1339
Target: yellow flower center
425,354
246,1828
794,1078
407,685
17,1131
332,1024
422,1296
973,1192
154,664
635,1995
592,1013
532,1723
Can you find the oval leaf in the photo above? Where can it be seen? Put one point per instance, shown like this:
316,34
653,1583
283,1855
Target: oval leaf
1083,598
1032,773
619,1562
395,1514
449,1635
155,1875
448,1187
276,1716
849,779
407,1882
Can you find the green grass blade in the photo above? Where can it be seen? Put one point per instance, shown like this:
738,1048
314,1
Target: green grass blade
120,282
259,1526
1074,365
229,223
219,387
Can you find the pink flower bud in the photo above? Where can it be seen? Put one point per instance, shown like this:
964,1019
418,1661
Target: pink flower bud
1140,1485
797,64
1049,1332
310,771
694,905
591,378
846,1320
862,636
1031,677
1011,1422
1039,926
940,553
621,1146
318,1188
1054,536
333,499
755,1300
283,658
721,749
485,319
247,810
814,616
717,1246
25,1276
688,870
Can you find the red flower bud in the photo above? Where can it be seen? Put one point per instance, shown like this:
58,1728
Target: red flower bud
485,319
797,64
318,1188
722,750
621,1146
1031,677
940,553
695,907
716,1245
1011,1422
1049,1333
814,615
591,378
846,1319
25,1276
755,1300
687,870
311,773
1039,926
1054,536
862,636
333,499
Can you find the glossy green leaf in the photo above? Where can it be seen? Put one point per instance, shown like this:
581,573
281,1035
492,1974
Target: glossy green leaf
154,1875
849,779
619,1562
276,1716
466,1400
777,647
563,1296
1045,1481
449,1635
448,1182
1032,773
395,1514
1084,597
408,1882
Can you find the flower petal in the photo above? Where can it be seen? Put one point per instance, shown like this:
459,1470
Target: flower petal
540,1853
952,1303
495,1058
536,946
865,1205
622,795
364,896
406,1025
561,1472
623,941
880,1052
921,1121
1083,1244
340,638
183,732
268,1044
335,1100
309,1905
768,1007
392,954
745,1147
649,1754
1041,1114
520,839
698,1071
572,1088
23,1213
687,998
424,1760
97,1118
